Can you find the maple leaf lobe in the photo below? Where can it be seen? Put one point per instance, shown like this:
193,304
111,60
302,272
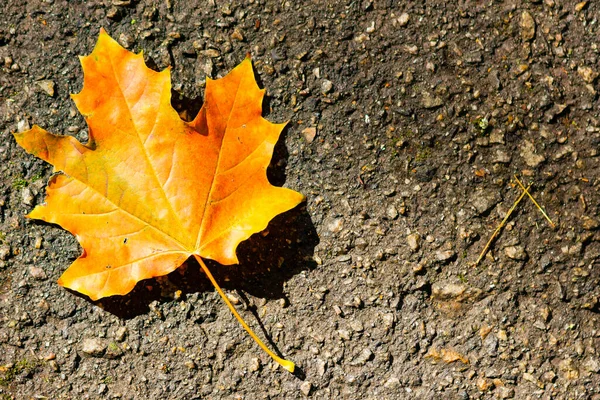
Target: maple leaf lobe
149,190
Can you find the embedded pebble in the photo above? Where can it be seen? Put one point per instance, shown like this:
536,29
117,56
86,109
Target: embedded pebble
548,376
540,325
590,224
490,345
37,273
211,53
483,384
497,137
120,333
326,86
592,364
102,388
356,325
4,252
502,335
391,212
411,49
113,13
254,364
563,151
505,392
388,320
309,134
126,40
527,26
414,241
429,101
23,125
94,347
206,66
392,383
502,157
344,334
338,310
113,351
27,196
365,355
587,74
450,291
527,151
47,86
447,291
361,244
336,225
445,255
321,367
484,201
54,365
515,252
403,19
545,313
237,35
305,388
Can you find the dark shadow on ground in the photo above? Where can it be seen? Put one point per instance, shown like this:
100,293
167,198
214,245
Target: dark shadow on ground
267,260
187,107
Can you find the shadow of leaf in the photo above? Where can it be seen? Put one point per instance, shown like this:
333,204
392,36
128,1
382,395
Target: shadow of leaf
267,260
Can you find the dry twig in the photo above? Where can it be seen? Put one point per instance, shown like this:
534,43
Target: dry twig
535,202
487,246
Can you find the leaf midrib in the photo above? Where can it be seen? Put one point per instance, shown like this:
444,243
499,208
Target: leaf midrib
146,157
214,174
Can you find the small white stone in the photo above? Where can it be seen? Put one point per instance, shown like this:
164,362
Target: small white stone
37,273
391,212
515,252
254,364
306,387
23,125
27,196
414,241
309,134
94,347
47,86
392,383
336,225
403,19
326,86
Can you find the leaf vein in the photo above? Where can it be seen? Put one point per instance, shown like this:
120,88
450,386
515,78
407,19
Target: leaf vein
144,153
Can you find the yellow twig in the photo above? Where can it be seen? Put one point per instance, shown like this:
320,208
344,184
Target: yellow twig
487,246
535,202
284,363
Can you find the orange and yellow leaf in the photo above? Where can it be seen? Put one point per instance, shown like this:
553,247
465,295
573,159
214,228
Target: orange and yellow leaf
149,190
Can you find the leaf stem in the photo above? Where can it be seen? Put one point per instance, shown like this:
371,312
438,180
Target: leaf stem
288,365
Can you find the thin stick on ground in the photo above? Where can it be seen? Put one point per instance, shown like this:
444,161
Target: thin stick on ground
487,246
288,365
535,202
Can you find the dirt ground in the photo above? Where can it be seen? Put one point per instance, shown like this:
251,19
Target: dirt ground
424,112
